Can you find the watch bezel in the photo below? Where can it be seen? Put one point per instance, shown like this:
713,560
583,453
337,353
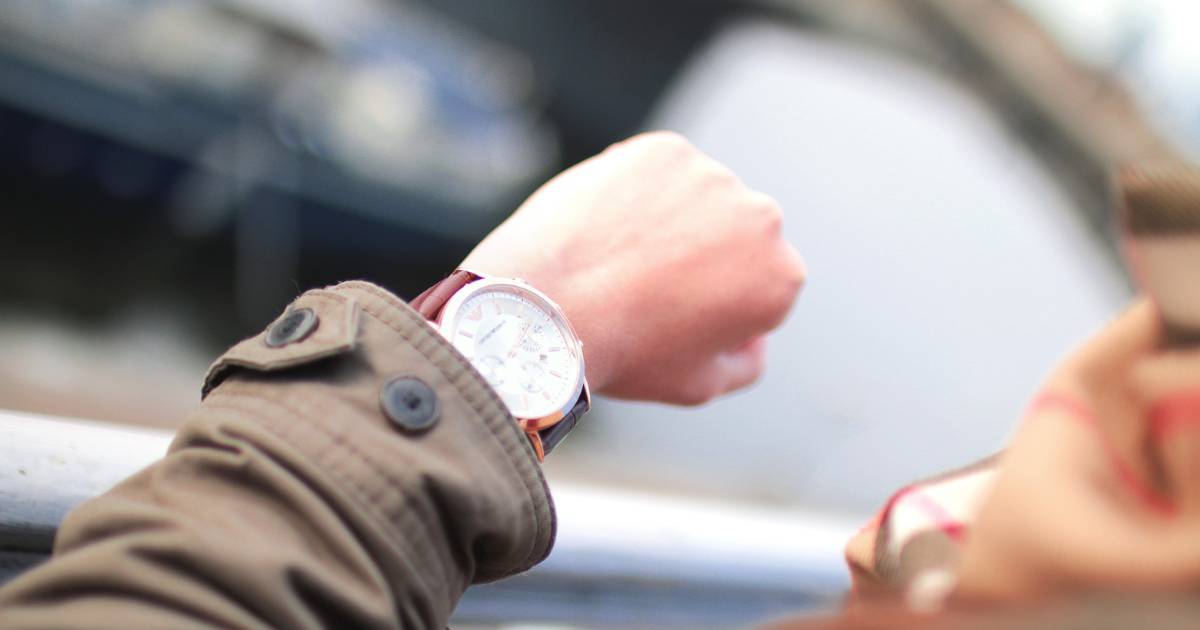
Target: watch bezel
454,305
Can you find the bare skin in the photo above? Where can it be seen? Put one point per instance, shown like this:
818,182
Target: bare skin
1092,495
671,270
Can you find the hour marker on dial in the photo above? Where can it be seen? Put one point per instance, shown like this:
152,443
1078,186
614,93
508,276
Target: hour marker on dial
512,339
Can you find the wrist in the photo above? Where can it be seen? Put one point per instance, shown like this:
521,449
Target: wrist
598,352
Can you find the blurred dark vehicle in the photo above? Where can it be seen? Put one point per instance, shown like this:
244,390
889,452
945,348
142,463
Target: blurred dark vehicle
224,155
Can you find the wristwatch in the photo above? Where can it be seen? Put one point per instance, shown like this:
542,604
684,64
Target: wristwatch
521,343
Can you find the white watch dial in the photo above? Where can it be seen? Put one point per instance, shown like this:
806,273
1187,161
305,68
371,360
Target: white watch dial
522,348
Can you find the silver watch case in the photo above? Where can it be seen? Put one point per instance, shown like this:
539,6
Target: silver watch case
575,345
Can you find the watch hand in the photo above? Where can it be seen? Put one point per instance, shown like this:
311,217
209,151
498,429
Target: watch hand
512,353
488,335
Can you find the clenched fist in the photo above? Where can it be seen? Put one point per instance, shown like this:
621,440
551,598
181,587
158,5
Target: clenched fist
670,269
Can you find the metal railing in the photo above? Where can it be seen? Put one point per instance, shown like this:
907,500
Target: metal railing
677,563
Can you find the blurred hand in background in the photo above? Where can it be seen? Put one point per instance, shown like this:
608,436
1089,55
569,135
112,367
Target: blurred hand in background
670,268
1100,488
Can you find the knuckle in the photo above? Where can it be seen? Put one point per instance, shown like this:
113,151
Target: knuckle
796,272
756,374
776,310
662,140
627,143
666,137
768,208
773,218
720,174
614,147
760,368
786,285
718,184
698,392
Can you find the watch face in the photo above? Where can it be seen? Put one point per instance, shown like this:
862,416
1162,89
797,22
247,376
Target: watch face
521,345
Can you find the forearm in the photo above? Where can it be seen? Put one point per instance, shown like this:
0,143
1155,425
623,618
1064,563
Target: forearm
291,499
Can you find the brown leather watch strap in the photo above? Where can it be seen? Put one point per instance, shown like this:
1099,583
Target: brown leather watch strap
552,435
431,301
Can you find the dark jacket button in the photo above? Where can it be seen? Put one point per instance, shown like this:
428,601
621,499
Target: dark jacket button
409,403
297,324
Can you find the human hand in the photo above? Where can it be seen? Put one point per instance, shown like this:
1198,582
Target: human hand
1100,488
668,267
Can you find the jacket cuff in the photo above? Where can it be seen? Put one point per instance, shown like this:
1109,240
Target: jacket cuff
466,487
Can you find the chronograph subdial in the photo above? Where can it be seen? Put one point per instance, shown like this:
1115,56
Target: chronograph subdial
534,374
491,367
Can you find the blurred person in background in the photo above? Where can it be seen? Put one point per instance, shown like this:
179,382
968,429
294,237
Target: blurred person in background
1090,517
1090,521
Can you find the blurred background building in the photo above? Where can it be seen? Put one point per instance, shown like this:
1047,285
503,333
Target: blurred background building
174,172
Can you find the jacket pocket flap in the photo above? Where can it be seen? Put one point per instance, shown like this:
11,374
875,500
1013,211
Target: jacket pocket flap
333,332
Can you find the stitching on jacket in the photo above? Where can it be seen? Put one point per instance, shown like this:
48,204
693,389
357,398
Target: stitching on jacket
421,547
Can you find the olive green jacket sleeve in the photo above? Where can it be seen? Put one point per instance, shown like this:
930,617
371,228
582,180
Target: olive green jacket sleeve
305,492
